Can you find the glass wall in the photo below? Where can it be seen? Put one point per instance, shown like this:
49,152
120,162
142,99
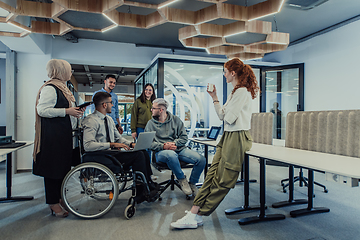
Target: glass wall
151,77
185,87
284,94
183,84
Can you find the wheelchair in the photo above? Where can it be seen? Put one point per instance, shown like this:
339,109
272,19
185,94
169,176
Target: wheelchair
90,189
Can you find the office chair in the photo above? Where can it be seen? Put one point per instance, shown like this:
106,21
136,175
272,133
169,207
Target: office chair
172,182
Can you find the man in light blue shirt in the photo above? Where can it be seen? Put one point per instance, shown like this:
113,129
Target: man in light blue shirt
110,82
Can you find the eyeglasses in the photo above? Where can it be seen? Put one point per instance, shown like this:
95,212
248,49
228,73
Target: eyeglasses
72,71
154,108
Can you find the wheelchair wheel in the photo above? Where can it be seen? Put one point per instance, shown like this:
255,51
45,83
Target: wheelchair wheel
129,211
89,190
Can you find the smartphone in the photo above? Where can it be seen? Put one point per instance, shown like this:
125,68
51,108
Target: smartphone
85,104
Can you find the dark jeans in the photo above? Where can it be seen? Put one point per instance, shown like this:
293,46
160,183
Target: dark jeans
138,160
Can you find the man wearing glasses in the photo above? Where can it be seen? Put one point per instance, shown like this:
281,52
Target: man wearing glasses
100,134
169,145
110,83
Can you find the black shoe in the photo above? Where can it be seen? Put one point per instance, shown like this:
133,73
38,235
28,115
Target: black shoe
139,198
156,186
153,196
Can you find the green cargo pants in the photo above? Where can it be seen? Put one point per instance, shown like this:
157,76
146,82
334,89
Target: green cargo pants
224,170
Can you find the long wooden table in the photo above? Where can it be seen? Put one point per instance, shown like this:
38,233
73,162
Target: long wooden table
342,165
8,152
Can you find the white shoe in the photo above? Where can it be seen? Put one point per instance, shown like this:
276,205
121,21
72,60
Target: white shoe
194,189
188,221
198,219
185,186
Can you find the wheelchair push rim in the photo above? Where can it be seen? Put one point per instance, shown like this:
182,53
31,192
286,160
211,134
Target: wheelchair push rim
89,190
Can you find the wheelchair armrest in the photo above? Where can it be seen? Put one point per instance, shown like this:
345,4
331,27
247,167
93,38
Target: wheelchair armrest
104,154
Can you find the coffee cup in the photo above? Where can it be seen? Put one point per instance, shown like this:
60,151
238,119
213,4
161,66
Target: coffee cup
210,87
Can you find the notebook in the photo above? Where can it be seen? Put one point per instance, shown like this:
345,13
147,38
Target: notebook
143,142
212,135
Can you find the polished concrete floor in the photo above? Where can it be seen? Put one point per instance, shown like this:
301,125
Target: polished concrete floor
32,219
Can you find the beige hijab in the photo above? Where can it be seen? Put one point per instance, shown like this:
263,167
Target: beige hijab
59,72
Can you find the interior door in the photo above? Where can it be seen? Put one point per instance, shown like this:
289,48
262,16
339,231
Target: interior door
283,92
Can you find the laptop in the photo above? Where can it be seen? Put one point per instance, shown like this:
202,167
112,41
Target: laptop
212,135
143,142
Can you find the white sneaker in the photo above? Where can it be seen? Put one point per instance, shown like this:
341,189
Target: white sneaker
194,189
198,219
188,221
185,186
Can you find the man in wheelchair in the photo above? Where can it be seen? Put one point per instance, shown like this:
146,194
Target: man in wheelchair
100,135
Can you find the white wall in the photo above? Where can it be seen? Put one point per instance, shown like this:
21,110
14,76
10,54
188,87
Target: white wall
331,68
3,92
30,76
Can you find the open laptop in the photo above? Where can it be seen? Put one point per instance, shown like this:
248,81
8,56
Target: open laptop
212,135
143,142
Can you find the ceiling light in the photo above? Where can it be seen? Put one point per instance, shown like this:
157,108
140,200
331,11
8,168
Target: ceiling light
109,19
15,25
281,5
234,34
166,4
263,16
113,26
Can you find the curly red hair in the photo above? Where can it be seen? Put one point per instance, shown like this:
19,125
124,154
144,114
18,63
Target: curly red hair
245,76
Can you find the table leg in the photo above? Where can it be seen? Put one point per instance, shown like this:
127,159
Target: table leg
310,209
245,207
206,155
262,216
8,197
291,200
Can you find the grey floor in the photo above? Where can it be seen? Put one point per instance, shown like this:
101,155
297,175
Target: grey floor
32,219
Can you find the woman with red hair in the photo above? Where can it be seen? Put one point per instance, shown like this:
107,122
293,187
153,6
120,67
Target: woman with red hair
230,151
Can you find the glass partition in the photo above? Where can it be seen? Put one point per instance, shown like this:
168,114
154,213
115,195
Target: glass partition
185,87
283,90
139,85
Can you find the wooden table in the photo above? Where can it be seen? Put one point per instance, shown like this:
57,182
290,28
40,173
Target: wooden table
8,152
342,165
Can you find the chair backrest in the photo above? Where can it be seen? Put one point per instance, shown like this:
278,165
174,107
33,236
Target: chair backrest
336,132
262,127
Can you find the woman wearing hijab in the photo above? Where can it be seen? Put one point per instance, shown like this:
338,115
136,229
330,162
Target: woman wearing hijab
56,117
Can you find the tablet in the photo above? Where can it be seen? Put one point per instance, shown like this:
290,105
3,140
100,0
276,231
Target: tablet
85,104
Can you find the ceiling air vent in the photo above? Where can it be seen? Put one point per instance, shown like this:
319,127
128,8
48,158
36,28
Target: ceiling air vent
304,4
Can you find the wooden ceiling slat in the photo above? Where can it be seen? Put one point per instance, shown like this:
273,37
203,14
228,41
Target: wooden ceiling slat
109,5
33,9
154,19
45,27
9,34
178,15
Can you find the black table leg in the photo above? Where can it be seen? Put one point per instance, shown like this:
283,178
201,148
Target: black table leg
241,180
245,207
262,217
291,200
310,209
8,197
206,155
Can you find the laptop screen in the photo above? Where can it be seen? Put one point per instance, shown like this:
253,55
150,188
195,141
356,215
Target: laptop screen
214,132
